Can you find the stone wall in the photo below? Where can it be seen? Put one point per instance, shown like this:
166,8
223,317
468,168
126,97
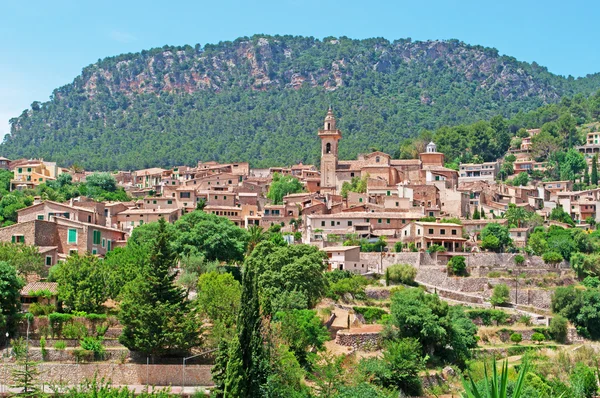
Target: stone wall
359,341
122,374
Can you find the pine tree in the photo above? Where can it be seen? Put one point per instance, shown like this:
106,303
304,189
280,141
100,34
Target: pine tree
24,378
157,318
219,370
248,364
476,215
595,170
586,176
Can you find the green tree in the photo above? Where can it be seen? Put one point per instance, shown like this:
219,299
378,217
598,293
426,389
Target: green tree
522,179
248,365
156,316
25,258
218,298
217,238
594,176
500,295
495,237
516,338
538,337
401,273
586,176
457,265
552,258
356,184
281,186
476,215
583,381
82,283
10,304
296,270
567,301
399,368
517,215
303,332
559,328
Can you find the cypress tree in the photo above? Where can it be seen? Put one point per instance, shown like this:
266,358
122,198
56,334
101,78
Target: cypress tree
248,364
595,170
586,176
476,215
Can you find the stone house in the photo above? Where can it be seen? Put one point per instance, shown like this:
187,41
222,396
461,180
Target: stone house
30,293
345,258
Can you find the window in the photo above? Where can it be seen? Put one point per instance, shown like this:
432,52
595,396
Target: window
442,232
216,197
154,202
322,223
18,239
48,261
453,232
40,217
338,223
430,231
377,159
349,223
20,170
97,237
379,221
430,214
29,169
90,219
328,148
108,245
418,231
72,251
103,242
94,251
388,193
403,221
72,236
169,202
359,200
351,174
397,204
387,221
184,195
333,223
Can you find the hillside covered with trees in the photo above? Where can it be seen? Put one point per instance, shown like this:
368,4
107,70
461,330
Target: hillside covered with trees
255,99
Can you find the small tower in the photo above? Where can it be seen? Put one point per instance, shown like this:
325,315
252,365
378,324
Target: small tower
431,157
431,147
330,137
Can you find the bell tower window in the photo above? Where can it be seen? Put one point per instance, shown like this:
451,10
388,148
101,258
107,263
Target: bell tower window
328,147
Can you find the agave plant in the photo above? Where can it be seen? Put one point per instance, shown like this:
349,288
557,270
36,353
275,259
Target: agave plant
496,385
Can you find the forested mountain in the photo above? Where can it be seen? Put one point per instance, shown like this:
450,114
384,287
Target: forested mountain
261,99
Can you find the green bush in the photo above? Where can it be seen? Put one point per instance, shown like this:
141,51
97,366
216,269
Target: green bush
500,295
538,337
38,309
57,321
94,345
525,320
401,273
519,259
488,317
559,329
371,314
60,345
74,330
516,338
354,285
552,258
457,265
583,381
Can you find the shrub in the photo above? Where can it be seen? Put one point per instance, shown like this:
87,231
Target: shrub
516,338
38,309
371,314
552,258
500,295
94,345
583,381
457,265
525,320
591,282
488,317
559,328
57,321
354,285
519,259
401,273
43,347
537,337
74,330
60,345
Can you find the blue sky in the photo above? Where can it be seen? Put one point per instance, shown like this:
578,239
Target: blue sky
45,44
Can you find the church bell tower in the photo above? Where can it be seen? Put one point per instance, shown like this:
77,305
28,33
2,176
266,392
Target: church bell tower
330,137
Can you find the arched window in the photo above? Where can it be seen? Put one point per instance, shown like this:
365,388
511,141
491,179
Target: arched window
377,159
328,148
328,126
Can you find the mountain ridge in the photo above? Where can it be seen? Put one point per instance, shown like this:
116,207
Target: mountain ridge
233,101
